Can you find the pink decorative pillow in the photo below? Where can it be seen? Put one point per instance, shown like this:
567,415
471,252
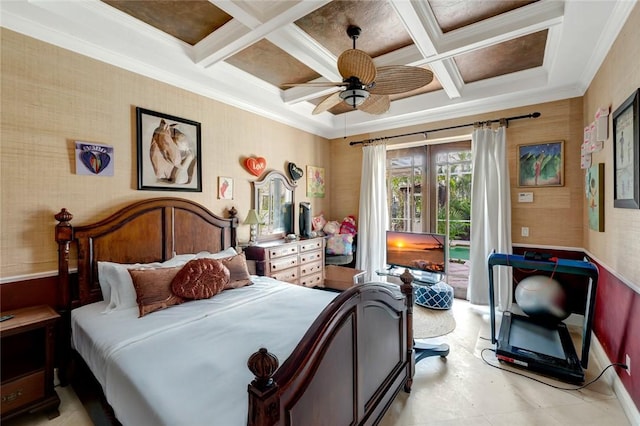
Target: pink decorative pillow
238,271
340,244
200,279
153,288
318,222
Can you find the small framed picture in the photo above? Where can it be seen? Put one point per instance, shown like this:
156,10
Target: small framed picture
541,164
315,181
168,152
225,188
626,154
594,180
94,159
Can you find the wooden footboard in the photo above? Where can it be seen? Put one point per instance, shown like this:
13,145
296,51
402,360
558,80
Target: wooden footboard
347,369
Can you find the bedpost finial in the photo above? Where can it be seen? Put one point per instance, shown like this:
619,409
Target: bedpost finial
233,212
263,364
406,277
64,230
63,216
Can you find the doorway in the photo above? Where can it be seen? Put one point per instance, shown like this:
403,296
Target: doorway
429,190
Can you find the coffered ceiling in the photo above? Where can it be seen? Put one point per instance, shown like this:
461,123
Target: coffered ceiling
484,55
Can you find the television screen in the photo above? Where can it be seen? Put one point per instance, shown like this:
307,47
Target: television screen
419,251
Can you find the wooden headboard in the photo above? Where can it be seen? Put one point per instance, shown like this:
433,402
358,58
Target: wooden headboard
147,231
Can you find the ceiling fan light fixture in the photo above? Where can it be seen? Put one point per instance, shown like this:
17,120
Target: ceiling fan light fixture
354,97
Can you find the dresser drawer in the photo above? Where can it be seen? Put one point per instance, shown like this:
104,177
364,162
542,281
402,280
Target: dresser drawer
311,245
311,268
312,280
311,256
288,275
290,261
19,392
283,250
283,263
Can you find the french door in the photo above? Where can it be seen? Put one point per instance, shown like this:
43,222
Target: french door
429,190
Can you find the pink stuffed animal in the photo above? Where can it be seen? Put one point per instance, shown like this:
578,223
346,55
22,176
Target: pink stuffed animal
349,226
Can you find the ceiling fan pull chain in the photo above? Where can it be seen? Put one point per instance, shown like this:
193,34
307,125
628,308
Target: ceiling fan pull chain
345,126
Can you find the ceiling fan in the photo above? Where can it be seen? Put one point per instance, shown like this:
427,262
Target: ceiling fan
367,88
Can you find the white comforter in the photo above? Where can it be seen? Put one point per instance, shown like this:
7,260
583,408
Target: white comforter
187,365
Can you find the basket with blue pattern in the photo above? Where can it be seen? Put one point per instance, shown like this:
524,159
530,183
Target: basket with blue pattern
436,296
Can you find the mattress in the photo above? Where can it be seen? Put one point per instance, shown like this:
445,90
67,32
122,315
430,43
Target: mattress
187,365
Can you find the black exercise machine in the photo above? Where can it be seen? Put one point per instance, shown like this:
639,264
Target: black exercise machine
539,345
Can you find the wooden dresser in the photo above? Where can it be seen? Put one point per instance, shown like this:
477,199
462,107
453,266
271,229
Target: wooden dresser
298,262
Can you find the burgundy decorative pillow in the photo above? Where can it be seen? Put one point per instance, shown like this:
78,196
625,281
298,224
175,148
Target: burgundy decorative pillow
200,279
153,288
238,271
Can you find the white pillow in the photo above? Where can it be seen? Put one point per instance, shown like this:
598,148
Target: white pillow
104,281
116,283
219,255
178,260
115,276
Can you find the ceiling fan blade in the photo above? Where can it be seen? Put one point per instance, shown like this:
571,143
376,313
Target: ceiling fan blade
317,84
394,79
356,63
327,103
376,104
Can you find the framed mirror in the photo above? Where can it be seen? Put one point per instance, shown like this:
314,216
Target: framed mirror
274,201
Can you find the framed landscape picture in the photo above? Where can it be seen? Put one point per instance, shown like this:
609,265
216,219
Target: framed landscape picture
626,154
541,164
168,152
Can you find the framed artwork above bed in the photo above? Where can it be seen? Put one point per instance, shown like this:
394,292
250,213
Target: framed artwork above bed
169,157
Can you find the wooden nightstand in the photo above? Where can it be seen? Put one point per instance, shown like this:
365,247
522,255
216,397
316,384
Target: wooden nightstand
27,353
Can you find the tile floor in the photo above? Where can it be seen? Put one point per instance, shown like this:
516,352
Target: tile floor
461,390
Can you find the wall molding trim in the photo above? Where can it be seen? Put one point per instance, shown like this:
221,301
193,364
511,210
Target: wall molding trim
33,276
632,286
539,246
614,381
27,277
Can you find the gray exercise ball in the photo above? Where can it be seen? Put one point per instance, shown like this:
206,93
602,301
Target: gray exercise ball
542,297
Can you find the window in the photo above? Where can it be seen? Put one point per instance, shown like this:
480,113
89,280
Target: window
454,194
415,205
405,175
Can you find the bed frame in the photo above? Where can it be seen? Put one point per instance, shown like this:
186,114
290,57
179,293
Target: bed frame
348,367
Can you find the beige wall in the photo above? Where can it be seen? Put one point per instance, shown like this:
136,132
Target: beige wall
52,97
554,218
617,79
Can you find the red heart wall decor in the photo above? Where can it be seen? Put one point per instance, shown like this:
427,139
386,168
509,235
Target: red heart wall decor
255,165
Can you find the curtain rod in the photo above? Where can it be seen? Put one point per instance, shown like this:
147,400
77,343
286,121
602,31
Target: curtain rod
424,132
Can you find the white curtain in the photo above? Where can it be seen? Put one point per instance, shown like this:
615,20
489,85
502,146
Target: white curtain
373,216
490,217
